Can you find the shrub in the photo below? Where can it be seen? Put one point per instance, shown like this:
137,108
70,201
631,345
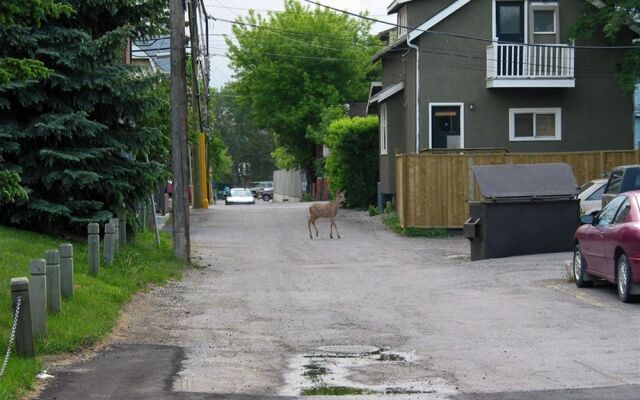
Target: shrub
373,210
352,164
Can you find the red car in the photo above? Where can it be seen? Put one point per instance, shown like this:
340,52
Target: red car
608,246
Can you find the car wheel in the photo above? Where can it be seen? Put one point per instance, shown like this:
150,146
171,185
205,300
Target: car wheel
266,197
624,279
579,265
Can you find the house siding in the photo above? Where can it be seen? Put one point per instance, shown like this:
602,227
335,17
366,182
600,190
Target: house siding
454,70
421,10
394,70
395,142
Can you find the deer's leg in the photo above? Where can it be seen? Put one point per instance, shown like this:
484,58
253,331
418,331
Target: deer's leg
315,227
309,224
334,224
331,229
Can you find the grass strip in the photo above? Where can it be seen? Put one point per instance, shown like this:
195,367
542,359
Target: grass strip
92,312
335,391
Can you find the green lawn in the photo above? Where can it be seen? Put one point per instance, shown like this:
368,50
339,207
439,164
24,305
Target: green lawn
93,311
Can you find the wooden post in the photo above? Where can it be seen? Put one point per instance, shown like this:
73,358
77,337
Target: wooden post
122,229
179,146
52,258
109,243
25,345
38,296
94,249
115,222
66,270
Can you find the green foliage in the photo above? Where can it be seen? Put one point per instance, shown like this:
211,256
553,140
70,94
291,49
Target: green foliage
219,159
246,143
332,113
352,164
373,210
613,20
97,302
10,189
16,69
283,158
391,218
80,139
291,65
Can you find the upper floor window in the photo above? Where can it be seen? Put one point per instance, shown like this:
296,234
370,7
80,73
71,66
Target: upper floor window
383,128
544,21
527,124
402,21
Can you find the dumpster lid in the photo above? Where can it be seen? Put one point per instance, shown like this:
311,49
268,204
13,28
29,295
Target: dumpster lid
521,181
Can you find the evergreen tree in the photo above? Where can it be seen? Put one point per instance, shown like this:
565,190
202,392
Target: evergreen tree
79,141
14,15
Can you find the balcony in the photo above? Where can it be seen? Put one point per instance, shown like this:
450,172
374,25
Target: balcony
530,66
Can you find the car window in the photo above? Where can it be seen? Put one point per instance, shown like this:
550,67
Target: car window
597,195
614,183
608,213
623,212
636,183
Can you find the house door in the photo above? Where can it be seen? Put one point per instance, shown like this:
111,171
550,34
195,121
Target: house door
510,29
445,127
510,21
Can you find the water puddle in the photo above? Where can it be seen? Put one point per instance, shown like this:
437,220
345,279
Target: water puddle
366,371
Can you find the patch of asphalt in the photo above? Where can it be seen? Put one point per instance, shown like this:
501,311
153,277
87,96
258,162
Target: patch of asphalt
141,372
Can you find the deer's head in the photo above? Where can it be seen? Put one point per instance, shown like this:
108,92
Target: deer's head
340,197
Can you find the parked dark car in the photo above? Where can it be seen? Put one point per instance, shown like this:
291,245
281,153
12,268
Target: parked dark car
608,246
267,194
622,179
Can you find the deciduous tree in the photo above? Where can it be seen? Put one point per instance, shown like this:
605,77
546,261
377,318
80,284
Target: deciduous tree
291,65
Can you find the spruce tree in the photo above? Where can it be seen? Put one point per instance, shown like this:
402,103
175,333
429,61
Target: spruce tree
78,138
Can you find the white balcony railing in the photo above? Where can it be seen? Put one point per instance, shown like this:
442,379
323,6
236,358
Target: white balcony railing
530,61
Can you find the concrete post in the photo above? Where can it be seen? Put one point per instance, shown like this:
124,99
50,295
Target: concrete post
115,222
140,211
38,296
109,243
122,229
94,248
66,270
52,258
25,345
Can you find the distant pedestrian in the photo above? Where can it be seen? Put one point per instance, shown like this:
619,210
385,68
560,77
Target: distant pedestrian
226,191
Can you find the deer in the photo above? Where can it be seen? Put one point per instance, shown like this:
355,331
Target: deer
325,210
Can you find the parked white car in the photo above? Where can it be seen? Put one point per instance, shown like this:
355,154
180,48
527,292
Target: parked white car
591,196
240,196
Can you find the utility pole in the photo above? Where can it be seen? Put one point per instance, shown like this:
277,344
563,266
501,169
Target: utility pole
205,100
179,145
199,170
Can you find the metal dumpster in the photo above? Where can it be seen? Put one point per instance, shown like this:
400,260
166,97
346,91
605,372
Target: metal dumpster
528,209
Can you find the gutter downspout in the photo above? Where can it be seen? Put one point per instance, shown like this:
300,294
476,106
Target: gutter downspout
417,49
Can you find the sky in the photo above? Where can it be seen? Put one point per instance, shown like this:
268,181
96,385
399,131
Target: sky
221,73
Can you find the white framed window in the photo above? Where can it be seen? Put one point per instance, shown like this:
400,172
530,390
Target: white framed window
402,21
528,124
544,21
383,128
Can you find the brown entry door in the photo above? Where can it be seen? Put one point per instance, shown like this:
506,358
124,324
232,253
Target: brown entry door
445,127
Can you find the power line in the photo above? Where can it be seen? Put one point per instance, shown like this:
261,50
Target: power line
299,33
456,35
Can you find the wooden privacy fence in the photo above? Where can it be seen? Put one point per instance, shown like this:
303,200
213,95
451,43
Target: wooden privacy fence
433,189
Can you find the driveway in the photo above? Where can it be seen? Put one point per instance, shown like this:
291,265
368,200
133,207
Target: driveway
272,313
